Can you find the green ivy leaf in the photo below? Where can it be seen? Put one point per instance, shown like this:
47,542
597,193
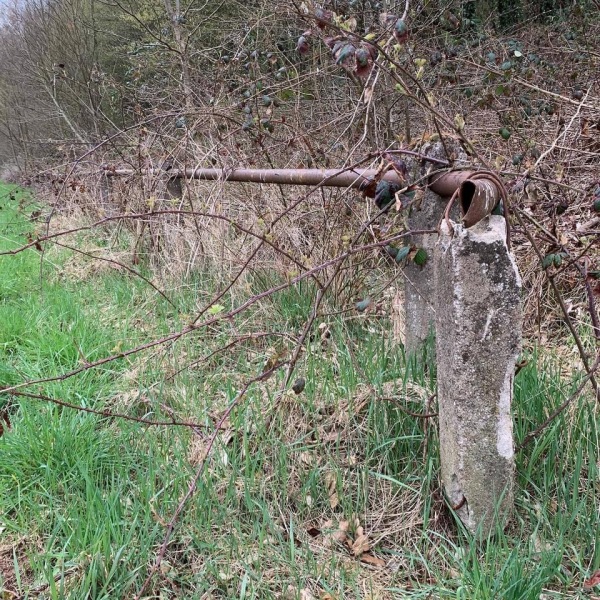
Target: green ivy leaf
363,304
547,261
402,253
420,257
286,94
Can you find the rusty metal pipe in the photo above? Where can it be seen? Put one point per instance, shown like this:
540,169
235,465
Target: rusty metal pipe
477,197
445,184
360,179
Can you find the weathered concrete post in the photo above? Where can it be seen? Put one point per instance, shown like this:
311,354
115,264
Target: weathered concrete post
419,289
478,329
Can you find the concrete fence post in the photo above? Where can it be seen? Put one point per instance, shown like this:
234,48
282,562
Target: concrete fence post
419,288
478,336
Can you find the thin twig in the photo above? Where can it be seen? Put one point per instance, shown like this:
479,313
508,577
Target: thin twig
196,326
108,413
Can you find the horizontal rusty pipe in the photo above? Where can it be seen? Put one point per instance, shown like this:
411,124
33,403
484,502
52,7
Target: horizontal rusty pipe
477,197
360,179
445,184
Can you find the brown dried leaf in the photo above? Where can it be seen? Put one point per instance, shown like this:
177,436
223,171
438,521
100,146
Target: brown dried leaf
293,593
329,436
361,543
334,533
331,484
372,560
313,531
306,458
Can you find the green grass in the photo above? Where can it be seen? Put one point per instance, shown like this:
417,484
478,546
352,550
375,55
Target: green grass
84,498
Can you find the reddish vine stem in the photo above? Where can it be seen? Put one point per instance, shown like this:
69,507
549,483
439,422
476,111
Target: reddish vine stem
573,261
235,342
320,295
195,326
121,266
108,413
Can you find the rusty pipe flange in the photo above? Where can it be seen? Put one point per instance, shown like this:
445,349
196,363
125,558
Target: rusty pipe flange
478,198
478,195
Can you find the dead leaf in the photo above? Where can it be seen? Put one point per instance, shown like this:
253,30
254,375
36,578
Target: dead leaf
361,543
334,533
329,437
330,484
372,560
156,515
593,581
350,24
313,531
306,458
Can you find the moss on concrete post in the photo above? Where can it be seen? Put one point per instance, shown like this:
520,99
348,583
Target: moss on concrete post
478,328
